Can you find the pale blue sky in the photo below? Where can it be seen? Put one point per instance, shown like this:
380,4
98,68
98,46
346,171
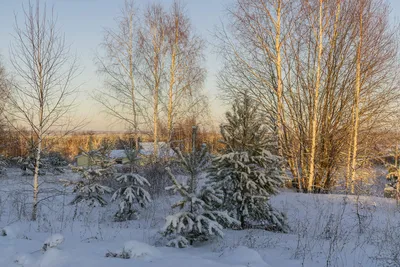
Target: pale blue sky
83,22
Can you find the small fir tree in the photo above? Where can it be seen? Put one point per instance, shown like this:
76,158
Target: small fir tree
197,220
90,188
247,173
132,194
193,164
29,161
56,162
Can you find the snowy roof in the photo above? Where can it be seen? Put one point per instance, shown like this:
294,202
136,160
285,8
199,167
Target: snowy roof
147,149
118,153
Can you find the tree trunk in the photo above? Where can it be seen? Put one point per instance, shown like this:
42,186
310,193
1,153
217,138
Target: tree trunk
279,90
155,103
36,178
356,105
132,78
310,187
155,123
172,83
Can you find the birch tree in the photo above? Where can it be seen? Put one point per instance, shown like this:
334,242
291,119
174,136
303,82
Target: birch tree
356,108
252,50
319,37
153,46
122,96
186,73
43,92
4,93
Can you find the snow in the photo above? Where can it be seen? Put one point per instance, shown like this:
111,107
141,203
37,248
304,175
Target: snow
54,257
24,260
13,230
139,250
243,256
325,230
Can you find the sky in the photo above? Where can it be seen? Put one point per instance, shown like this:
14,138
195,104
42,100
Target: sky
83,22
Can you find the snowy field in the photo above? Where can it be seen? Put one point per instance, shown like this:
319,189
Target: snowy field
326,230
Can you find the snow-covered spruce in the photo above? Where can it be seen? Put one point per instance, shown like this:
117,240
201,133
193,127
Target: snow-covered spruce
193,164
247,173
132,195
27,163
196,221
90,193
89,188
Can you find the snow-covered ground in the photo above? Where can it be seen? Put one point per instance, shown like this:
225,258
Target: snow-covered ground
326,230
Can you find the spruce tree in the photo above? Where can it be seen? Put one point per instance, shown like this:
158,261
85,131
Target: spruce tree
90,188
132,194
248,171
196,220
29,161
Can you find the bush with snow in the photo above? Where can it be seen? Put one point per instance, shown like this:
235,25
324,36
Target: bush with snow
11,231
53,241
15,230
135,250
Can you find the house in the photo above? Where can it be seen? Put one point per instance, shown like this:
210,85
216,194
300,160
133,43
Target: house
146,150
81,160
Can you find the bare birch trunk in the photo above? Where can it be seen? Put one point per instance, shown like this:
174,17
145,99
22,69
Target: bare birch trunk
41,95
348,165
396,163
36,179
279,91
155,119
356,103
171,85
310,187
132,77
